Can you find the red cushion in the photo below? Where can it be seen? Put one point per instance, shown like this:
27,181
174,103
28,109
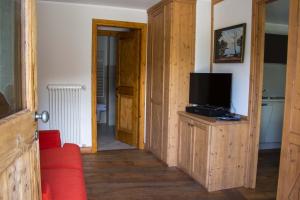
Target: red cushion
66,157
46,192
65,184
72,147
49,139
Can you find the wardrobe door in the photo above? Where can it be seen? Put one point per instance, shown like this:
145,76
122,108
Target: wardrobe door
156,77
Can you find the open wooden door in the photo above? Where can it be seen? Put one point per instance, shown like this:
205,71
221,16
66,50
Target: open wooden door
289,174
19,150
128,87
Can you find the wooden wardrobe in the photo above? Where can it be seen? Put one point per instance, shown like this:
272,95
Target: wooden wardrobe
171,56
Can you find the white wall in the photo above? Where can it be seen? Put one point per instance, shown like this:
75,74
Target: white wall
203,36
64,49
229,13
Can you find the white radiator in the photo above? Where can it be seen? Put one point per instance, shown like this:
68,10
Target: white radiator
65,111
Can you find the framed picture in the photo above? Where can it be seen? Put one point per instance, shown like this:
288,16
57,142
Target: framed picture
230,44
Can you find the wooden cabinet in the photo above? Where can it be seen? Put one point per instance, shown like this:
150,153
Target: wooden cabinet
185,139
212,152
199,155
171,52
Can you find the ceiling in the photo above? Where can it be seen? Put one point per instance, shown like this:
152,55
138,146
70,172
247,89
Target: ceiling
278,12
135,4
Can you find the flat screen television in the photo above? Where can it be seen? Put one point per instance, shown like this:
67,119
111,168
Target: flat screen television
211,89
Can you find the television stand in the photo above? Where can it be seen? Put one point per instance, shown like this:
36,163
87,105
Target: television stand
208,111
213,152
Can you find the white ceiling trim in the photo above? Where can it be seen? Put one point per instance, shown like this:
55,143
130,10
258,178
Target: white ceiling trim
130,4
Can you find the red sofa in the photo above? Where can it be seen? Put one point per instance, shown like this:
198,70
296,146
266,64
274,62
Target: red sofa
61,169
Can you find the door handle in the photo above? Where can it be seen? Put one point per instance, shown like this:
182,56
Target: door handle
44,116
264,104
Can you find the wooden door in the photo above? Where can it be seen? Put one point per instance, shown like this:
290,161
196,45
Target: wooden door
128,87
199,153
155,108
184,144
289,174
19,150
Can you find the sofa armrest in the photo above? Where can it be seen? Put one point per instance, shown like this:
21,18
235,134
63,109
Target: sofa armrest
49,139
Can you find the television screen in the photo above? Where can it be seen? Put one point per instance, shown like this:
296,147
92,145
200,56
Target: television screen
210,89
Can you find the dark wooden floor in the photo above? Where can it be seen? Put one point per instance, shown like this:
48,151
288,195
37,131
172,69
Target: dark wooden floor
137,175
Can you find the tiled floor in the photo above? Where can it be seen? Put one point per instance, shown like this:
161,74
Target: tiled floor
107,140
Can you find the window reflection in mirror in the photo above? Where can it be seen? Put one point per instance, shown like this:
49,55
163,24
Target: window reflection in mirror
10,57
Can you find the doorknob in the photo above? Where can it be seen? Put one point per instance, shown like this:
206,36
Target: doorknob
44,116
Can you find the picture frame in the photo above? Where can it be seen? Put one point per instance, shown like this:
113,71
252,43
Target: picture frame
229,44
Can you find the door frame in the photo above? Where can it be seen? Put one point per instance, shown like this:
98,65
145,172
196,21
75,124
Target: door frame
142,76
256,88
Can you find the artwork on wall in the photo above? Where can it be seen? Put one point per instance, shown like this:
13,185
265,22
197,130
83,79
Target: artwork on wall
230,44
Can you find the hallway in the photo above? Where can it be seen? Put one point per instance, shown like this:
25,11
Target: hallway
136,175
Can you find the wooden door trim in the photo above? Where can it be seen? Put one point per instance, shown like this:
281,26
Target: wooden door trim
142,79
255,90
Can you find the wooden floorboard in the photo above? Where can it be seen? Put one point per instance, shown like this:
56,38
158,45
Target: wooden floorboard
138,175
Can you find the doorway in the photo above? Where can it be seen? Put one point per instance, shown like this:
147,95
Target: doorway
118,85
274,74
267,88
273,89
